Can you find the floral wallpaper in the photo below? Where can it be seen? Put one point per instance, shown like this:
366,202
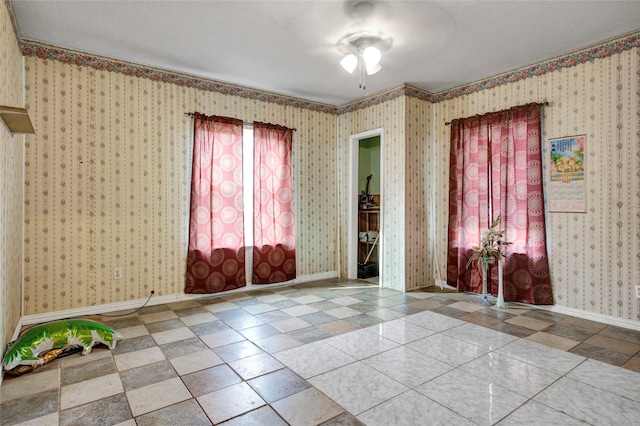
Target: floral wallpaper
107,183
390,116
11,194
419,185
594,256
106,174
405,168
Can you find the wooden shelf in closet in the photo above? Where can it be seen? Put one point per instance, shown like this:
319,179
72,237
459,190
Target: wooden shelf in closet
369,225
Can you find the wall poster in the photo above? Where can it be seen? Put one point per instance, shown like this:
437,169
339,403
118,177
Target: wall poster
566,174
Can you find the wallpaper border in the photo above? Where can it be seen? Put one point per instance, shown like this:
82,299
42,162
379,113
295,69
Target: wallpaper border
14,21
101,63
588,54
599,50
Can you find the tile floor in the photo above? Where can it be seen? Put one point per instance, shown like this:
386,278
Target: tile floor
339,352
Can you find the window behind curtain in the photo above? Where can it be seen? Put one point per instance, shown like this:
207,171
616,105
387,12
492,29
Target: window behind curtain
496,170
225,219
274,239
215,260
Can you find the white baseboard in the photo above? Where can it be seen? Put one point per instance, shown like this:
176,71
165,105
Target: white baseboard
179,297
578,313
594,316
16,332
156,300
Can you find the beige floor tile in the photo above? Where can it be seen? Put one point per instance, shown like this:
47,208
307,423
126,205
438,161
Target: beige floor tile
222,306
236,297
384,292
230,402
170,336
290,324
553,340
633,364
386,314
617,345
90,390
346,300
255,365
582,324
222,338
468,307
277,343
386,303
138,358
184,304
532,323
307,408
96,353
158,395
135,331
516,309
17,387
259,308
268,298
305,300
350,291
300,310
425,304
337,327
478,318
48,420
196,361
418,294
199,318
130,422
158,316
342,312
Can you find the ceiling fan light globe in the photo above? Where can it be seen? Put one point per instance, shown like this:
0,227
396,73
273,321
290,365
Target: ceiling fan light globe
372,69
349,63
371,55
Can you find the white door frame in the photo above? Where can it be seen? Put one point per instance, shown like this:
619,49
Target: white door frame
352,227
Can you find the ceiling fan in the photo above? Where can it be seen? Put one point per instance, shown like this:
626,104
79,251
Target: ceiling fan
363,45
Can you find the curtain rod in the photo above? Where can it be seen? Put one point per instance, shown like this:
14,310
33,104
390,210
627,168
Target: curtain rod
446,123
191,114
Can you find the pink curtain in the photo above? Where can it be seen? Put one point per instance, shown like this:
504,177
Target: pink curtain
496,169
274,257
216,253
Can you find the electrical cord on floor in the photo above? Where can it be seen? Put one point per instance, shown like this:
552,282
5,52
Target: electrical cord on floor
132,312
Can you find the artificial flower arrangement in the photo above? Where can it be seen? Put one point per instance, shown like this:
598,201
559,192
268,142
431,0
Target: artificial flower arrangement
493,246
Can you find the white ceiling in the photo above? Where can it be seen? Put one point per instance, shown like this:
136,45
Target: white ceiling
289,47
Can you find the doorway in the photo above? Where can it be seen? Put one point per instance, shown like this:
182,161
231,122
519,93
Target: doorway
365,206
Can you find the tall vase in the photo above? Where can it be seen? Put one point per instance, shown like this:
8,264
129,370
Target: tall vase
485,267
500,301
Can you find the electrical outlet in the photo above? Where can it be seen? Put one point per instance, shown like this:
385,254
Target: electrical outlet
117,273
638,292
331,247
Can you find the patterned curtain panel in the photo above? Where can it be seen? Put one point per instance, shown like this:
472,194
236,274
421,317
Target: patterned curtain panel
274,256
468,199
497,168
216,254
